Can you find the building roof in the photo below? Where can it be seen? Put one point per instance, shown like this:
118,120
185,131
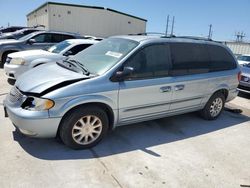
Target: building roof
84,6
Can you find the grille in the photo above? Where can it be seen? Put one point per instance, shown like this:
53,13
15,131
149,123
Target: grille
244,87
14,95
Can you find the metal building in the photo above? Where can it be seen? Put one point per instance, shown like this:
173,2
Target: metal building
86,20
239,47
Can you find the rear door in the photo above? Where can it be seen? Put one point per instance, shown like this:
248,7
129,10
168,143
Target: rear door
190,70
147,92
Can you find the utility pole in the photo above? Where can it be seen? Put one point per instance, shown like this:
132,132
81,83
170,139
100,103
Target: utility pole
210,31
172,30
166,33
240,36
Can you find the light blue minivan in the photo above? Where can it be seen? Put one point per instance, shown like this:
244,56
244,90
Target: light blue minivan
119,81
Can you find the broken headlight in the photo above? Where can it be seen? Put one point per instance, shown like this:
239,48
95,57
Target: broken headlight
37,104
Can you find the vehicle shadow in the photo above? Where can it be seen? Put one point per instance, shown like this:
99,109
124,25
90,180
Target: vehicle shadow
244,95
128,138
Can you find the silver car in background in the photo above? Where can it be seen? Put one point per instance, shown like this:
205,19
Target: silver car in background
244,85
119,81
36,40
19,62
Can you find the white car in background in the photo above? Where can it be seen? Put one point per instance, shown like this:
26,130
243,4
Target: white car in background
243,59
19,62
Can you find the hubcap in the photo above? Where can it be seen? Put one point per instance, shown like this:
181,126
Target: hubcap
216,107
87,129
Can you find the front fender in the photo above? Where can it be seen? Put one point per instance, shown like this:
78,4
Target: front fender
61,108
38,61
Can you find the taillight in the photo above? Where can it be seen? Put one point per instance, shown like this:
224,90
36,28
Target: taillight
239,76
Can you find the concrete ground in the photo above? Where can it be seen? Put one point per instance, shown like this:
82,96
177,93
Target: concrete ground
180,151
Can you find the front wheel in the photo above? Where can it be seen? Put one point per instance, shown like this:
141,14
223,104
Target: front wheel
84,127
214,107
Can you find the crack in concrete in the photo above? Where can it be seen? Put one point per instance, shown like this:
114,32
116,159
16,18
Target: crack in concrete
104,165
2,94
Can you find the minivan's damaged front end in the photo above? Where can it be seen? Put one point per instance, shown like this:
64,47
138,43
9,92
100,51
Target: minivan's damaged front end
27,105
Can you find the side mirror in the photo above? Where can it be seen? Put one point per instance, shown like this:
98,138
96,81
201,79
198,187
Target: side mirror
121,75
31,41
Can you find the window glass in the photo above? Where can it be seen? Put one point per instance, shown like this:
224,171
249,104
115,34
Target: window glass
78,48
244,58
60,37
150,62
102,56
189,58
221,59
43,38
59,47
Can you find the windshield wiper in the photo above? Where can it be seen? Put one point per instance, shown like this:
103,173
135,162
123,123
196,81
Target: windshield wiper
84,69
75,64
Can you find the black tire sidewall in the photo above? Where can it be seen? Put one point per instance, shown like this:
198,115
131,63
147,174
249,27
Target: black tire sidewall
73,116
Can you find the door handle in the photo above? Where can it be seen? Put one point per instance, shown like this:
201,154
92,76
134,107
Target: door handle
179,87
165,89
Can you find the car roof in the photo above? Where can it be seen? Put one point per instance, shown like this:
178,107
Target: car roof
57,32
156,38
82,41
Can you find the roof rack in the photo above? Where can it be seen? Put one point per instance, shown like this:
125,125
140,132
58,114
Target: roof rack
188,37
163,35
149,33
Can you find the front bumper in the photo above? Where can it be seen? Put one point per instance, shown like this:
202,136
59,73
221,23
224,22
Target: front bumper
14,71
244,87
32,123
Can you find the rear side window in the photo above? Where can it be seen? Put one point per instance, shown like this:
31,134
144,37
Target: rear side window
150,62
220,58
60,37
76,49
189,58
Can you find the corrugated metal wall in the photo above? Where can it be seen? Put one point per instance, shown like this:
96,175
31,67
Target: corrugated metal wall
40,17
87,21
239,48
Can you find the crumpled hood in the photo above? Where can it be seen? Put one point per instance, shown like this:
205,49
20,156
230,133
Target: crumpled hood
29,54
47,76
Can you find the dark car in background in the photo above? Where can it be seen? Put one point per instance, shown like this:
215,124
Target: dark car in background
18,34
36,40
11,29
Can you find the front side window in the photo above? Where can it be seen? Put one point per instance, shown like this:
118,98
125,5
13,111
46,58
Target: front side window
102,56
189,58
150,62
42,38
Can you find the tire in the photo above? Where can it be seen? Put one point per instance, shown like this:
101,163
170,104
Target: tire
79,124
214,107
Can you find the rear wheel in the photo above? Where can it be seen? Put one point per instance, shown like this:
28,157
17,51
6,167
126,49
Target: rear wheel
214,107
84,127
